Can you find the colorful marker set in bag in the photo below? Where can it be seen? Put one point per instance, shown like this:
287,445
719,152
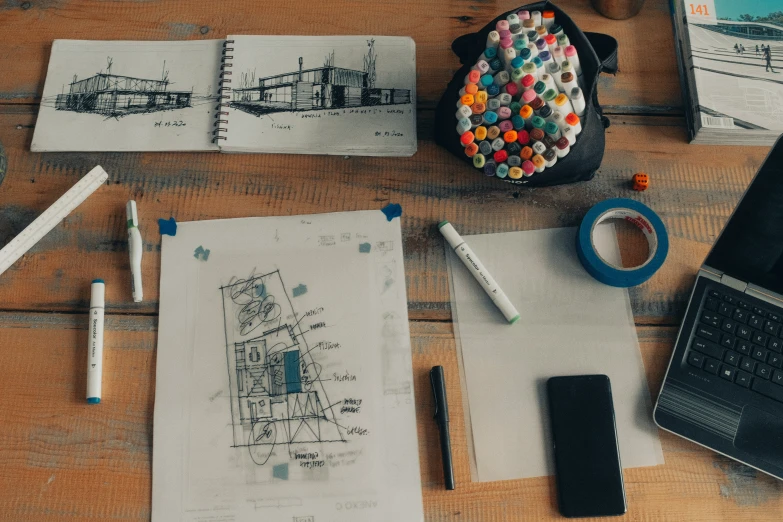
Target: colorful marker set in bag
519,111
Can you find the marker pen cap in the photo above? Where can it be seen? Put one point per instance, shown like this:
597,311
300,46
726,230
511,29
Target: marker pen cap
567,66
479,161
489,168
468,89
564,105
536,104
489,117
504,113
563,147
464,112
531,69
526,153
493,132
467,138
552,130
570,135
563,41
558,54
516,31
514,161
517,62
559,120
520,38
519,44
518,122
466,100
537,122
515,107
505,126
539,161
578,101
490,53
523,137
549,95
539,87
550,156
528,169
533,50
504,33
515,172
549,82
500,156
542,34
545,112
463,125
528,96
573,121
555,73
527,81
502,170
502,25
524,53
480,133
506,43
504,98
523,15
548,18
509,54
493,39
492,90
545,57
532,37
472,77
486,80
495,64
485,148
513,149
573,57
569,81
513,18
476,120
548,142
536,135
479,108
555,29
538,148
536,16
516,76
527,111
498,144
510,136
551,41
501,78
471,150
482,66
537,62
529,24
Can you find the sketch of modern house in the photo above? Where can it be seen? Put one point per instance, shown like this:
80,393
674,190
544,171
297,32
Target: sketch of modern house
114,96
326,87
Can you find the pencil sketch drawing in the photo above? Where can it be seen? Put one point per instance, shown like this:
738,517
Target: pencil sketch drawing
278,398
115,96
326,87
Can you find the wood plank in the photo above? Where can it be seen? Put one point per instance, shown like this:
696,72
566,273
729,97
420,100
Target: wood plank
647,82
693,189
55,448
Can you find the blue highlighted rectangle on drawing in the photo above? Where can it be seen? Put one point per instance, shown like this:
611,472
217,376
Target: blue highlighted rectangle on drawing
292,380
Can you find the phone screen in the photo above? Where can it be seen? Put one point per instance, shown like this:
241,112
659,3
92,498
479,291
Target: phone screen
587,457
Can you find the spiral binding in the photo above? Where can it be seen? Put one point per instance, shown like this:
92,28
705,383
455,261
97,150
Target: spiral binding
224,93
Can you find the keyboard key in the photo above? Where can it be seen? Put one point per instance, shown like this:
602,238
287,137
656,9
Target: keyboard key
773,391
754,321
706,332
777,377
711,304
730,299
744,347
744,305
726,309
741,316
776,345
749,365
728,341
764,371
760,338
695,359
729,325
727,372
771,328
713,293
744,332
707,348
759,311
743,379
775,360
760,354
775,317
711,366
711,319
732,358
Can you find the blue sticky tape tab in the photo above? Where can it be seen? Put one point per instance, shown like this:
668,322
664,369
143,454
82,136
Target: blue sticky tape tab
168,227
392,210
640,215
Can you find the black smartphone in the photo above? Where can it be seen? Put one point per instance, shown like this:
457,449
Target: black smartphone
587,457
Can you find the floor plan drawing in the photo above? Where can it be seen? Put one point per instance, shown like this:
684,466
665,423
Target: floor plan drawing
278,398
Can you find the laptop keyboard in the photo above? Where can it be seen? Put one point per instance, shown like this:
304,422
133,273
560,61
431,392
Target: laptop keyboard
740,342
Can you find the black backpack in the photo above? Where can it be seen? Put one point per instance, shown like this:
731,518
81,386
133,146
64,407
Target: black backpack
597,54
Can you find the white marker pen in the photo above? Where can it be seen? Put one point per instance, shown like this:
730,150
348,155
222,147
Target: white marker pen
135,250
95,342
475,267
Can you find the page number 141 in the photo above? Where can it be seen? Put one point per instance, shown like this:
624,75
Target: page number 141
699,9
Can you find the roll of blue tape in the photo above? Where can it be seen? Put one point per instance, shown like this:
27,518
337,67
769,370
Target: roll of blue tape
640,215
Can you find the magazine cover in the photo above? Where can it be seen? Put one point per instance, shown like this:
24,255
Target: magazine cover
736,57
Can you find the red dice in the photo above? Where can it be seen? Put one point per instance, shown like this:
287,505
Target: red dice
640,181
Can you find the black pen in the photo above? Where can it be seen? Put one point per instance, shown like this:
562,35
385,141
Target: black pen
442,420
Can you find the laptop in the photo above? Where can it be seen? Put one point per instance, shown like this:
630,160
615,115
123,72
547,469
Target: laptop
724,385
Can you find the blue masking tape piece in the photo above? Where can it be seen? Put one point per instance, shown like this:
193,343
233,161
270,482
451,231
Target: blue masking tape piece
640,215
392,210
167,227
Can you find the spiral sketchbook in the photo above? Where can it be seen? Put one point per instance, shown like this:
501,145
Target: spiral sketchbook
285,94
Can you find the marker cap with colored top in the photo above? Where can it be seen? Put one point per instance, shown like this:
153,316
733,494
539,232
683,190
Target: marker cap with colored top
536,135
479,161
526,153
528,168
510,136
527,111
537,122
513,148
515,173
471,150
523,15
502,25
504,113
523,137
480,133
479,108
473,77
505,126
514,160
500,156
466,138
498,144
493,132
485,148
502,170
539,162
518,122
490,168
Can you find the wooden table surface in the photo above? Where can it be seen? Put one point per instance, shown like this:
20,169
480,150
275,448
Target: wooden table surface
63,460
